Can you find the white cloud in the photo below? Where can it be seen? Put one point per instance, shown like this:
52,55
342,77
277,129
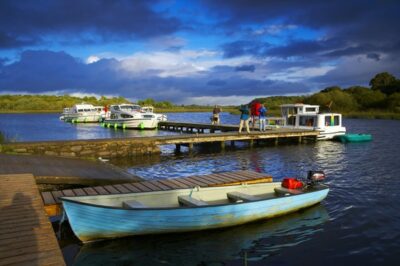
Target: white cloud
92,59
177,64
274,29
219,100
294,74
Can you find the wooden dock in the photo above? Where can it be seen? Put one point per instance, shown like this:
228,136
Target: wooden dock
202,127
26,234
276,135
52,202
123,147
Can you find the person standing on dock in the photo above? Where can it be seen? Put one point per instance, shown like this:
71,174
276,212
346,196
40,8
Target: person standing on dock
244,118
262,117
215,117
255,106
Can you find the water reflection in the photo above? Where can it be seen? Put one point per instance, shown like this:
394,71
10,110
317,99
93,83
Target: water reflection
254,241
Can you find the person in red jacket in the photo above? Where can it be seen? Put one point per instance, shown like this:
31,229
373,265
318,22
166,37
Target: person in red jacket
255,107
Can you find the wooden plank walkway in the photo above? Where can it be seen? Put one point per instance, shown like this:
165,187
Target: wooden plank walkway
52,202
201,127
56,170
26,234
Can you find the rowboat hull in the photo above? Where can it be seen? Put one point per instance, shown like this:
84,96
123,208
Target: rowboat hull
354,138
91,222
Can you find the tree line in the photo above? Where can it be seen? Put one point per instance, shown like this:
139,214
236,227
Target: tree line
20,103
383,96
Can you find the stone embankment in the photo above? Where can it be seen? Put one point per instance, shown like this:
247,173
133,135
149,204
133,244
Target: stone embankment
105,148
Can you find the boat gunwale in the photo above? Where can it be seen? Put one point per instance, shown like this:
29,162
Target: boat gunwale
70,199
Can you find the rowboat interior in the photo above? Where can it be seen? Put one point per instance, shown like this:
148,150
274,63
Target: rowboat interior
195,197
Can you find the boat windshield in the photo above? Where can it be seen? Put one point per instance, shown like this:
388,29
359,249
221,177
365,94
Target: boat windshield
130,108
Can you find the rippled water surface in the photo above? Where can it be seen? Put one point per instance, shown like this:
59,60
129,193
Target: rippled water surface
357,224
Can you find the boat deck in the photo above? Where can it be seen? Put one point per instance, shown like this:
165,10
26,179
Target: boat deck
53,204
26,234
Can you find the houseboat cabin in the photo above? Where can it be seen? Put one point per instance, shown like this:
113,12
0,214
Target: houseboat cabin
309,117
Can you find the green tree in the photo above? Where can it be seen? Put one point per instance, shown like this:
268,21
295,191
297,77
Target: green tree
393,102
382,80
367,98
330,89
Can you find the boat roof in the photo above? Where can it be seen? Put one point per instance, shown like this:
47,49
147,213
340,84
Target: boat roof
298,105
125,104
83,105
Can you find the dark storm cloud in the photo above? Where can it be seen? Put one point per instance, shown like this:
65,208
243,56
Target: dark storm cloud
42,71
350,27
241,48
26,22
217,83
245,68
374,56
47,71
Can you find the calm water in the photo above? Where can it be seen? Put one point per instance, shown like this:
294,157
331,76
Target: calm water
358,223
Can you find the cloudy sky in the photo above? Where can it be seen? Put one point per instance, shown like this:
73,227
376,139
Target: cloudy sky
195,52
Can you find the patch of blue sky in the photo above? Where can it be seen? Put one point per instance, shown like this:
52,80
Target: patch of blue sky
199,42
278,32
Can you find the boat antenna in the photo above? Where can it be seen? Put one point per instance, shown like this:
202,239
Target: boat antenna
329,106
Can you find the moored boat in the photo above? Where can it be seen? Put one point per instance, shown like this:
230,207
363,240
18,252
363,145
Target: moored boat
81,113
354,138
65,111
305,116
182,210
130,116
150,109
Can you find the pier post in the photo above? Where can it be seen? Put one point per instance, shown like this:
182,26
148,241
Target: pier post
276,141
222,145
190,146
178,147
251,142
232,143
300,139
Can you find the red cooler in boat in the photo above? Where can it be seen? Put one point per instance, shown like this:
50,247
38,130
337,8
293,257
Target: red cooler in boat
291,183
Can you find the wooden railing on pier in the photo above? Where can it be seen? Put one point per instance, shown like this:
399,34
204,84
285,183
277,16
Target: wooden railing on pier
26,234
52,202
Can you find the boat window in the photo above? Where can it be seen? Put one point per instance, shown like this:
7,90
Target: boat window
310,109
116,107
148,116
308,121
332,120
80,110
130,108
126,116
291,120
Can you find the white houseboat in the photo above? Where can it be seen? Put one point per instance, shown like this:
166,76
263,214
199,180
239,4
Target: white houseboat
101,110
307,116
81,113
65,111
130,116
150,109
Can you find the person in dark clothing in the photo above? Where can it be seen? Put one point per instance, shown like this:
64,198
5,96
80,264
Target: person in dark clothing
262,117
244,118
215,116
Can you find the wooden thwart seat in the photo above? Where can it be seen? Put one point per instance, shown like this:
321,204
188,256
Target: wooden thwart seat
236,196
191,202
281,191
132,204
